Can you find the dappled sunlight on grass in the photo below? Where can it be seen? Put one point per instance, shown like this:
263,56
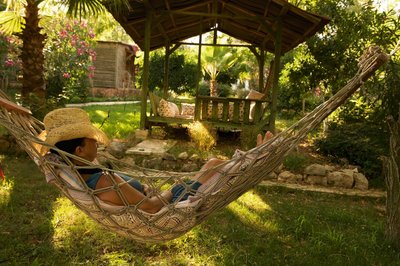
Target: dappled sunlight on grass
69,222
101,114
6,188
249,209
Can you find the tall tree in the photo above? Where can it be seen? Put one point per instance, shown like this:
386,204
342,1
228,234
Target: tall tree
214,60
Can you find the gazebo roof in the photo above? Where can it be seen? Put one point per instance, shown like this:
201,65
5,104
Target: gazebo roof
252,21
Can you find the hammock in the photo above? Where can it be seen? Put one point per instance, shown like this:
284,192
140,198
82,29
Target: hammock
230,179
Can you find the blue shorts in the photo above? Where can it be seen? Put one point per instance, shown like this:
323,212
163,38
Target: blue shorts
191,188
94,178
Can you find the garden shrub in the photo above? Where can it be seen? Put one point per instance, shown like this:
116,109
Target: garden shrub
360,143
69,55
204,137
10,64
295,162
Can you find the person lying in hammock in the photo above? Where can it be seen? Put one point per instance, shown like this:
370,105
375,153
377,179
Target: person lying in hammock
70,130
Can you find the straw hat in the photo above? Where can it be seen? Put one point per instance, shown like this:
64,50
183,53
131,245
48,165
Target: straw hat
69,123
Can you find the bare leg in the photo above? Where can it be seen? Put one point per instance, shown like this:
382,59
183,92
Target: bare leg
203,177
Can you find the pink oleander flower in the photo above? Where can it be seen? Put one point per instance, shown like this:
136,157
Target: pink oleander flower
91,75
9,62
75,37
317,91
73,42
63,34
91,34
66,75
79,51
92,52
91,68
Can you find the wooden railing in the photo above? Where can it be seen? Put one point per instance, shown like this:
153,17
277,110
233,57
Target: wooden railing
218,112
229,110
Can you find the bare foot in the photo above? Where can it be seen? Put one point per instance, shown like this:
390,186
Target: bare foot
260,140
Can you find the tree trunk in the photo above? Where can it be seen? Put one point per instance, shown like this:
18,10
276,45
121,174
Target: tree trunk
33,85
213,88
391,168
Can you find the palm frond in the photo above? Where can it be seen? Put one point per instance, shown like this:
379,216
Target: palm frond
10,22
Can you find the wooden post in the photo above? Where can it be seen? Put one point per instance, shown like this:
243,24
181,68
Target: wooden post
198,75
146,68
261,63
391,166
274,95
166,71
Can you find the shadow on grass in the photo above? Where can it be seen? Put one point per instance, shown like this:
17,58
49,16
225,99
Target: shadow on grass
266,226
26,210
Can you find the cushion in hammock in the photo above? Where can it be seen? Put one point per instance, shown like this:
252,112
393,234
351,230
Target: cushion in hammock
167,109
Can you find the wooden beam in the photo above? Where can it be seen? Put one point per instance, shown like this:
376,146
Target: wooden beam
222,16
211,44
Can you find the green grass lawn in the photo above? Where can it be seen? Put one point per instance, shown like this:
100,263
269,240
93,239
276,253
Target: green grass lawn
117,121
265,226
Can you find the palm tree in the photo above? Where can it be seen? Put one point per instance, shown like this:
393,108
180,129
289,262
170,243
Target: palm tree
215,60
33,84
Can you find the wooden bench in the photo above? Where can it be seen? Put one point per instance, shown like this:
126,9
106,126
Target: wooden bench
218,112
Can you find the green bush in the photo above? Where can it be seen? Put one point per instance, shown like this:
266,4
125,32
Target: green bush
295,162
360,143
69,54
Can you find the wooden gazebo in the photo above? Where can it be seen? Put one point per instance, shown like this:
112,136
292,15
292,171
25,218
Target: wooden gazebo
274,26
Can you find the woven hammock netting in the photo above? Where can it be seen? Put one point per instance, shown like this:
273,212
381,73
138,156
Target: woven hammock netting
229,180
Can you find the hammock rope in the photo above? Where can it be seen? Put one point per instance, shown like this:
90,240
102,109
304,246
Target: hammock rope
229,180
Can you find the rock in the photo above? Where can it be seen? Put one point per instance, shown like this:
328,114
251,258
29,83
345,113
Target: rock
117,148
183,155
289,177
360,181
169,157
154,163
271,176
194,157
141,134
128,160
279,169
170,165
316,180
315,169
189,167
329,168
343,179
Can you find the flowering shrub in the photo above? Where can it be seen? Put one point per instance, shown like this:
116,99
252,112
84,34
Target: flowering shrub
9,61
69,54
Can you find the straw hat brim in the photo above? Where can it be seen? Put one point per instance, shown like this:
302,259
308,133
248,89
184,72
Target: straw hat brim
73,131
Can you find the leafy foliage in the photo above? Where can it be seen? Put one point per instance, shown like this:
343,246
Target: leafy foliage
182,73
360,143
9,61
69,60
